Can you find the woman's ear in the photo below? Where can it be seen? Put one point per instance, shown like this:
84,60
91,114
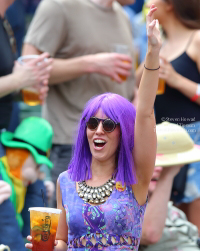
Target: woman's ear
169,5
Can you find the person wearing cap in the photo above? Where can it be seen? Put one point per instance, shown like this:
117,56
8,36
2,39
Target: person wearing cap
25,150
166,227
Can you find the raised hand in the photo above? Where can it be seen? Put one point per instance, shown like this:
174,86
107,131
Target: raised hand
153,32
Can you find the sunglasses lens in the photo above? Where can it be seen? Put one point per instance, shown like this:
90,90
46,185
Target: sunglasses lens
92,123
108,125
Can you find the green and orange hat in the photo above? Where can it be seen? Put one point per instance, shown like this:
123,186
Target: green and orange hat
34,134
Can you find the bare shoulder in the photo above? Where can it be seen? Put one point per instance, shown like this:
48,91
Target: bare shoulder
193,50
197,40
196,48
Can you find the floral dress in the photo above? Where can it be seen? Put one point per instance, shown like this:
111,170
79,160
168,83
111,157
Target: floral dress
118,220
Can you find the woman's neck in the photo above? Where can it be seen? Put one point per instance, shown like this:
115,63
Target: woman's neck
102,170
104,3
174,29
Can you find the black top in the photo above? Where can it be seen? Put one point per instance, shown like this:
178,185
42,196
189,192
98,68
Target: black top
173,106
6,65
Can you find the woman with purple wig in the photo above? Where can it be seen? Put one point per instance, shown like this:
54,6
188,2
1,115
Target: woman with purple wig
103,194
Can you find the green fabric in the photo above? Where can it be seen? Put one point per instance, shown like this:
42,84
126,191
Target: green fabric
35,133
6,178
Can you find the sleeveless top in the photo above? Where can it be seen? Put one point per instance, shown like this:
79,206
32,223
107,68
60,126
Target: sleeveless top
173,106
120,219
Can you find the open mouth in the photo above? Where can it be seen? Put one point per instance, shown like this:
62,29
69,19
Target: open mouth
154,179
99,143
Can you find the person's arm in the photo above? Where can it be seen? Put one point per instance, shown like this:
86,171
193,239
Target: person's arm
30,74
144,151
138,74
156,211
107,64
9,84
62,230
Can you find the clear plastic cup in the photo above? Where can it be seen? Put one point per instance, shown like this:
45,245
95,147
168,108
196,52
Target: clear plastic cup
30,94
161,87
121,49
43,227
161,83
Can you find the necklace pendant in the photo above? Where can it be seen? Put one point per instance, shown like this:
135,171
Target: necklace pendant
98,196
99,189
103,194
107,193
96,201
81,194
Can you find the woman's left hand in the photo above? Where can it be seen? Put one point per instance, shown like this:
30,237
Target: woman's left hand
168,73
153,32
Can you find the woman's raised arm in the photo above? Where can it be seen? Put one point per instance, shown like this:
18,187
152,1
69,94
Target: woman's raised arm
144,152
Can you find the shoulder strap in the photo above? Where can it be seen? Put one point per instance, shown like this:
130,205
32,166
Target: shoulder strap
190,40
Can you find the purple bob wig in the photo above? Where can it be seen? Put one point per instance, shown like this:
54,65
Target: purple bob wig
119,110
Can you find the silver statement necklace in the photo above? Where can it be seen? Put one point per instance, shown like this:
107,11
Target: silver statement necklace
95,194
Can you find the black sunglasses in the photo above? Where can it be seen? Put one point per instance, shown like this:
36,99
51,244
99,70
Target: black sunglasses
108,124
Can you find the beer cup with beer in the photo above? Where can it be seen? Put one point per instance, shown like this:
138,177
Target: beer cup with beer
122,49
30,94
161,84
44,223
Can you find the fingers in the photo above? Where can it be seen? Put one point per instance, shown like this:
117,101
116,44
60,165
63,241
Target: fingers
5,189
4,197
149,16
43,94
117,78
151,27
163,60
122,57
157,24
55,243
123,72
124,65
29,245
40,60
29,238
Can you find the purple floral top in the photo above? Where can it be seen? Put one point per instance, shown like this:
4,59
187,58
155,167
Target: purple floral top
120,217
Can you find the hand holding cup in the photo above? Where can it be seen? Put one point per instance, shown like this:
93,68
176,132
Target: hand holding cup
34,71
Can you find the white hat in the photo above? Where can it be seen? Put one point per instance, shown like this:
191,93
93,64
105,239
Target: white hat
175,146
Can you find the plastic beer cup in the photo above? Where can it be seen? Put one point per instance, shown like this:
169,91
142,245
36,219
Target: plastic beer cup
43,227
161,83
122,49
161,87
30,94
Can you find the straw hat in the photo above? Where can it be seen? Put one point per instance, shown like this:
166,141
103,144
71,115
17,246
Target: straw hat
174,146
34,134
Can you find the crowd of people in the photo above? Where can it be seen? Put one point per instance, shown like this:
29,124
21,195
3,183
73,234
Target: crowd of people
117,146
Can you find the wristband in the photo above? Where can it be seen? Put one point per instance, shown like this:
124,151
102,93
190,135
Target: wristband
151,69
197,94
